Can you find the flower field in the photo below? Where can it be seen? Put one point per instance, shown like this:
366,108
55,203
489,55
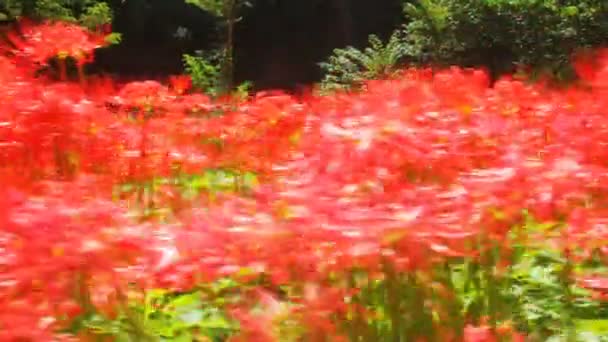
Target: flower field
430,207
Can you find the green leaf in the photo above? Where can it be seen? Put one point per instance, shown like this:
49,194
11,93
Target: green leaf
96,15
213,6
113,38
192,317
570,11
596,326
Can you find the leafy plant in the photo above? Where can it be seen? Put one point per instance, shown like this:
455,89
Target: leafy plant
503,35
217,7
351,67
204,70
91,13
169,316
96,15
228,10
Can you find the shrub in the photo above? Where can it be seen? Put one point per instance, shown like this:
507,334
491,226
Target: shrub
96,15
229,11
351,66
204,69
90,13
501,34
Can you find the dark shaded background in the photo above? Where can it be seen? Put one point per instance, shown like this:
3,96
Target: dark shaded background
278,43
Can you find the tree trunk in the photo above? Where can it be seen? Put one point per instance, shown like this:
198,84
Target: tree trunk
227,68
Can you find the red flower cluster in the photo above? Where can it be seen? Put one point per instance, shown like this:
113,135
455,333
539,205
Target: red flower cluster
65,248
408,173
39,42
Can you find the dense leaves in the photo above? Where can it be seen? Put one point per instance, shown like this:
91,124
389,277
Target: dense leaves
90,13
505,34
351,67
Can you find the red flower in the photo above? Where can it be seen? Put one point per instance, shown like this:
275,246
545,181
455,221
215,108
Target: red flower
478,334
180,83
39,42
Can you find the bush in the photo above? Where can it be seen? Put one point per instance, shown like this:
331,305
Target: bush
90,13
204,71
351,67
501,34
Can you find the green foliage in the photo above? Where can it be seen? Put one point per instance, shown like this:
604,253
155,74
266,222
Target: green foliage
350,66
90,13
242,91
212,6
229,11
59,10
114,38
529,287
205,72
96,15
208,182
501,34
198,315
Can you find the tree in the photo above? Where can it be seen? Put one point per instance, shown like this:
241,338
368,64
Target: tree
229,11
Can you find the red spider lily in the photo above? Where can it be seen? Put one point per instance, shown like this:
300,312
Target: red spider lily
83,244
252,328
319,306
24,321
599,284
101,88
417,170
39,42
10,70
105,28
193,104
478,334
485,334
260,325
180,84
584,64
589,64
144,96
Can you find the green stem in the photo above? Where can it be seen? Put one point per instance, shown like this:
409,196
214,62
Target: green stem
568,298
393,303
